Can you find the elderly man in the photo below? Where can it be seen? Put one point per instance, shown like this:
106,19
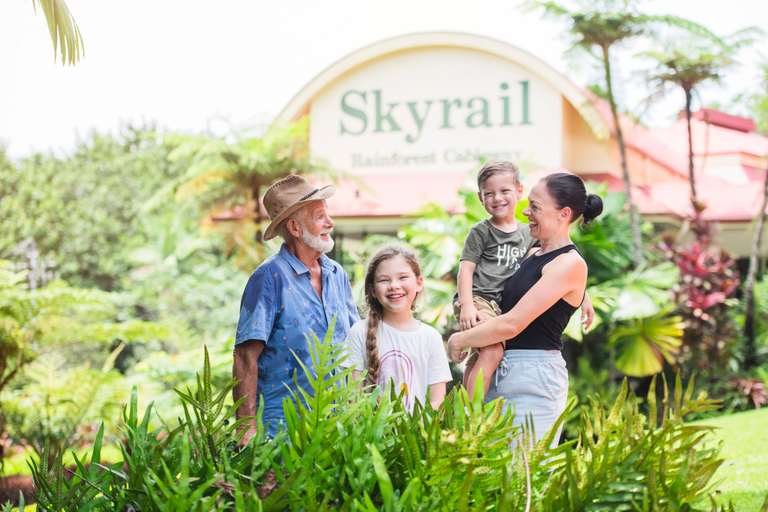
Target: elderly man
291,294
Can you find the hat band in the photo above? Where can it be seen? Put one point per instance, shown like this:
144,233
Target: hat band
308,195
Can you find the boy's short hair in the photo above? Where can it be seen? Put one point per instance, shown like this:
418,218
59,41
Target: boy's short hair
497,166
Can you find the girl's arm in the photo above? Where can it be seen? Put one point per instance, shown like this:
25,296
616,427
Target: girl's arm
565,277
356,375
436,394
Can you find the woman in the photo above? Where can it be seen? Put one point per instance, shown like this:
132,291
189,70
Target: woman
537,302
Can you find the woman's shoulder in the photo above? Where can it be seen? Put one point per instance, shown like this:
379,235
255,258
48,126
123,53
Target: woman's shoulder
567,263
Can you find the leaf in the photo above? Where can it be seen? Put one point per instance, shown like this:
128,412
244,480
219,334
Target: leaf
64,32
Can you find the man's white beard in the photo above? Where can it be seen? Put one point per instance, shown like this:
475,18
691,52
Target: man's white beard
315,242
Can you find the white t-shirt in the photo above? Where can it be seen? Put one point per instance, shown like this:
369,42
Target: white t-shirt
412,360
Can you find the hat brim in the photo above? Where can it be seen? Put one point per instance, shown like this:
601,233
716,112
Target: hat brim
323,193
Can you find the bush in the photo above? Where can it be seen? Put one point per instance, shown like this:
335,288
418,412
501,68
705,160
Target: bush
347,449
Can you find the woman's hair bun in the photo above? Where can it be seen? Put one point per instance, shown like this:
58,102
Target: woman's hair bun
592,208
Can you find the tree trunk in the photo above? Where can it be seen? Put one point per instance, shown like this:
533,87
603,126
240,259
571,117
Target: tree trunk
634,219
750,352
690,143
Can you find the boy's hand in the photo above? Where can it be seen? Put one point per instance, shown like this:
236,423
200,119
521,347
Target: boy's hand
469,317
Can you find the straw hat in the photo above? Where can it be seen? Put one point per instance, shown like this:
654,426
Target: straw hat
288,195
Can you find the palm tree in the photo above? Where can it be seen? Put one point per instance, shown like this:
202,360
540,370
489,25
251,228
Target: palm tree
687,67
687,70
600,26
64,31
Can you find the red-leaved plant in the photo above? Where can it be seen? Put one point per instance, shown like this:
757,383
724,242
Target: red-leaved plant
704,294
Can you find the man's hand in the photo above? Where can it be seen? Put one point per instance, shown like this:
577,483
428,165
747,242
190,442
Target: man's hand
248,434
587,312
469,317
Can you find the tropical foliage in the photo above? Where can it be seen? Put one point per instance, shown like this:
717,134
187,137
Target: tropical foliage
372,455
34,324
84,211
704,296
42,411
759,104
34,321
229,177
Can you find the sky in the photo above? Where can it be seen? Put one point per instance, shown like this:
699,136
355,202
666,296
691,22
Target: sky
196,66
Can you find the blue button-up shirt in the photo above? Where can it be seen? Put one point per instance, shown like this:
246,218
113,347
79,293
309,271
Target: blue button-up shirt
281,307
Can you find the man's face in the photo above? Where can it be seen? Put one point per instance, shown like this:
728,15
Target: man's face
316,227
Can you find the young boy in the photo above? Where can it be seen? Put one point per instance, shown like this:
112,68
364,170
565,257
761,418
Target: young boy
492,252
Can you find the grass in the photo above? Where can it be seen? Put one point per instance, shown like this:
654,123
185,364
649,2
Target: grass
17,463
745,450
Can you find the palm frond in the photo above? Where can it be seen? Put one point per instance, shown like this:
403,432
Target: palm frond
65,34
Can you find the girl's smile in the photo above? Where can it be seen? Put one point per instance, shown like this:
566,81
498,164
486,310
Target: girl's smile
395,286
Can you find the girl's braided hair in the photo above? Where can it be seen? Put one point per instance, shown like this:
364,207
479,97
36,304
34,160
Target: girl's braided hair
375,309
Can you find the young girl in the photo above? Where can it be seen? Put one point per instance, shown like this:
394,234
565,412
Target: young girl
391,344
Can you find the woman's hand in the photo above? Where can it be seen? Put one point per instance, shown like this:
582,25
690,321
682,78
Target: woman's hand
456,352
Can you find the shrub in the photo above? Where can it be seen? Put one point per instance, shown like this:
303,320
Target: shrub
347,449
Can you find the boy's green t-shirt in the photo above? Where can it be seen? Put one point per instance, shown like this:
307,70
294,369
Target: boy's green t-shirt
496,254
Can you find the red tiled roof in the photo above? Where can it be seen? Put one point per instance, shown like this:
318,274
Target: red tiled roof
711,139
725,202
718,118
396,195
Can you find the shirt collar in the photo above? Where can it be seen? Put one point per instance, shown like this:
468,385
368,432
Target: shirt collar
298,267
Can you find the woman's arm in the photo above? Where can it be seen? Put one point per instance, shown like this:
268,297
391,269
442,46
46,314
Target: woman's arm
563,278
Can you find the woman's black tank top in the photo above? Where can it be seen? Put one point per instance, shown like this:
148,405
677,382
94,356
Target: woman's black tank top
546,331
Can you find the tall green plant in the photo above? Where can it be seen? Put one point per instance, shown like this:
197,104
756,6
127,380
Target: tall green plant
345,449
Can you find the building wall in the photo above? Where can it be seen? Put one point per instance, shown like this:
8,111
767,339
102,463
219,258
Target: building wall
582,151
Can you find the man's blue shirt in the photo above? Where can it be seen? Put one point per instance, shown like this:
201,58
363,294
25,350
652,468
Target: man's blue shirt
281,307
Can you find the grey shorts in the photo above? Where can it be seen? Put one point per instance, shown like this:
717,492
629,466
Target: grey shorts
534,382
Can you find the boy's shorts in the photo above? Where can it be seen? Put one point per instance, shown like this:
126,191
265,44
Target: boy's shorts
487,309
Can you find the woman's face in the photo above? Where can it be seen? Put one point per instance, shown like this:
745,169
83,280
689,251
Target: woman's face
544,217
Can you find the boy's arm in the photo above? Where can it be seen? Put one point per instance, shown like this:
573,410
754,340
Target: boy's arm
469,316
587,311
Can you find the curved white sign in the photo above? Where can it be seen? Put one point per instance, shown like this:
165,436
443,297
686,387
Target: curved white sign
436,109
